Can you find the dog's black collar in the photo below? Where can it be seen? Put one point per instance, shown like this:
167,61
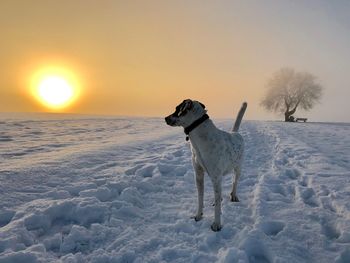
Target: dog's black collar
195,124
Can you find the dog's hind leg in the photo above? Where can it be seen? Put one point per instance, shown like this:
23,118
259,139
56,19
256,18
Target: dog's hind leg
233,194
200,189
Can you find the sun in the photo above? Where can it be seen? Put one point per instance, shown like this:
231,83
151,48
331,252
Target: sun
55,91
55,88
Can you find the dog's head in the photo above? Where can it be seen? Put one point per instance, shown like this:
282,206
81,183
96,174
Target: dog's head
186,113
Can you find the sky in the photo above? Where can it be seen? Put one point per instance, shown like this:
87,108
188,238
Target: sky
142,58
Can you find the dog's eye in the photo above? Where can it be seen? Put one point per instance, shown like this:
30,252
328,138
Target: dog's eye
182,112
183,108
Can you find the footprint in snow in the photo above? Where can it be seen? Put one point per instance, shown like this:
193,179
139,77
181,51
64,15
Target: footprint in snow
308,197
330,230
328,204
293,174
6,217
272,228
304,182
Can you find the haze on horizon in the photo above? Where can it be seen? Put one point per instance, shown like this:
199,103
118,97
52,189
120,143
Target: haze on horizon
142,58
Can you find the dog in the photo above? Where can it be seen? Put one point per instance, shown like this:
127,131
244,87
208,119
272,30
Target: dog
214,151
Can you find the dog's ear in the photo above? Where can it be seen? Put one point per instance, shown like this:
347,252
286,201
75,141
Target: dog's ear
187,104
203,106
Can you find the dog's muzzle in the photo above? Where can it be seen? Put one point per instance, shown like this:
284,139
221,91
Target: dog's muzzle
170,121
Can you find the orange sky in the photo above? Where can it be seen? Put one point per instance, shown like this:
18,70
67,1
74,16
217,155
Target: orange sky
144,57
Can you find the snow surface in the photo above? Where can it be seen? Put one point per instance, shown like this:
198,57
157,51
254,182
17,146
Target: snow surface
122,190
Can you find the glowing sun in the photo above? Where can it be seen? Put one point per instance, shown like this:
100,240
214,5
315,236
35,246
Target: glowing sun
55,91
55,88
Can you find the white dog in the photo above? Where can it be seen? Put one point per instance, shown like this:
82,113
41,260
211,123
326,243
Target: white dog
213,151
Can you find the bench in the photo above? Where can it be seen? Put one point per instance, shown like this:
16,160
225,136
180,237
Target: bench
301,119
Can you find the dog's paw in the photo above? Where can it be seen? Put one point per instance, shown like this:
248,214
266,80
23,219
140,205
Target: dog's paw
215,227
197,217
234,198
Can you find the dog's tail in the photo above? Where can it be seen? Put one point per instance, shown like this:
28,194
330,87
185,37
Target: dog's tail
239,117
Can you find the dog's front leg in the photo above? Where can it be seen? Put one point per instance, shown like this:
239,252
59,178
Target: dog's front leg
216,226
200,190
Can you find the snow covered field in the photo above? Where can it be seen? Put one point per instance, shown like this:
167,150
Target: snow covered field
106,190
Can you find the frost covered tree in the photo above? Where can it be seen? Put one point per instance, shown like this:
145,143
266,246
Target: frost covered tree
287,90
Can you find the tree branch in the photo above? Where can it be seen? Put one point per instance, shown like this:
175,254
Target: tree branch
287,105
295,108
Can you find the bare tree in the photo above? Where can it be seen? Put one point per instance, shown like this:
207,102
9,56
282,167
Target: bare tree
288,90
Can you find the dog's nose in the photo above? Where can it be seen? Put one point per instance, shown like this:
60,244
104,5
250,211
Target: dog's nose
168,120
